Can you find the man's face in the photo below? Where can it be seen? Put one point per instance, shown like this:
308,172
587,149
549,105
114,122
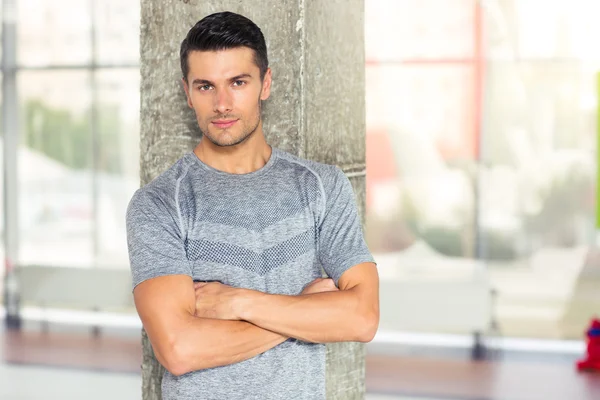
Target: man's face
225,90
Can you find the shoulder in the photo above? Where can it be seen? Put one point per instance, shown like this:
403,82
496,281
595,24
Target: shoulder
162,191
326,174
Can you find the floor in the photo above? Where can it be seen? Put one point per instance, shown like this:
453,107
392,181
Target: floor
70,384
32,383
461,379
75,364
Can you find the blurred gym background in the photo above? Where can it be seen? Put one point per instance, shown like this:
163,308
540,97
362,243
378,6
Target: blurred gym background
482,127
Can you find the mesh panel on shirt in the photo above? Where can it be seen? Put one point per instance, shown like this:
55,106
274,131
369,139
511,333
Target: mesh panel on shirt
259,263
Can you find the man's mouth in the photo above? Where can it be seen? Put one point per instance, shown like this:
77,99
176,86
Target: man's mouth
224,123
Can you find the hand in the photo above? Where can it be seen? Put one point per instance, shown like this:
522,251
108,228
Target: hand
320,285
215,300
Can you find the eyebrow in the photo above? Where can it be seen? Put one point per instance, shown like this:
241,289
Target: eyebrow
207,82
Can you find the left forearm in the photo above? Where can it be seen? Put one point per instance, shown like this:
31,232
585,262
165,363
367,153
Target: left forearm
320,318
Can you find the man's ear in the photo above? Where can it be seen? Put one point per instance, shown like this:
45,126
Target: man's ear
186,88
266,88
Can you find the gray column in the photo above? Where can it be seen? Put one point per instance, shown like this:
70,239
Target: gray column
316,110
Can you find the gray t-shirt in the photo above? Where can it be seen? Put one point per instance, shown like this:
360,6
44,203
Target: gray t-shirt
270,230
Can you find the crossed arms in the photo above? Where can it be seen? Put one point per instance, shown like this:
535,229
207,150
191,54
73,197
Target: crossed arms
198,326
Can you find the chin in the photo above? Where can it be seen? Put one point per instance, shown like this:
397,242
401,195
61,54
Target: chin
226,141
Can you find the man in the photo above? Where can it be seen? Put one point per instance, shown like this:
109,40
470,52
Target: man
226,246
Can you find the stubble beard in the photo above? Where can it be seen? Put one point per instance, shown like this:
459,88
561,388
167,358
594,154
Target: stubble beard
246,133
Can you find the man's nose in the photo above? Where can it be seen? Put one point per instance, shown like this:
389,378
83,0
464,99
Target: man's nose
223,102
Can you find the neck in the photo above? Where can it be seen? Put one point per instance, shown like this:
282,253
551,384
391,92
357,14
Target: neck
246,157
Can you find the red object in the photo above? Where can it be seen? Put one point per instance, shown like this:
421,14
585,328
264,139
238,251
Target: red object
592,360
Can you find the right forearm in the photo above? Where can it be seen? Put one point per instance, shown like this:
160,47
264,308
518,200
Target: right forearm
209,343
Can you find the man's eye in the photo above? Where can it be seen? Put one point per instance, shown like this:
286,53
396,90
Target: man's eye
204,87
239,83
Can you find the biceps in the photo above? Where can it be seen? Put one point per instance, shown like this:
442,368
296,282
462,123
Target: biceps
363,280
364,274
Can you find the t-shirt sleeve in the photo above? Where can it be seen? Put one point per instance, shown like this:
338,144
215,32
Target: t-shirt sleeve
154,238
341,241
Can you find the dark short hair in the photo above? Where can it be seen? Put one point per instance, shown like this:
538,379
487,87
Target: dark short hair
222,31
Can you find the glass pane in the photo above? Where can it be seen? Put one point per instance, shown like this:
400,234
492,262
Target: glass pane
568,29
118,160
419,116
117,31
53,32
420,186
402,30
421,147
55,176
433,100
537,200
529,193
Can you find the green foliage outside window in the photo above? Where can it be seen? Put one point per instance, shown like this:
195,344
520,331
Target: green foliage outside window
67,137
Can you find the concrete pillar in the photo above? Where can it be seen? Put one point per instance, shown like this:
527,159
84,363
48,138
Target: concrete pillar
316,110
